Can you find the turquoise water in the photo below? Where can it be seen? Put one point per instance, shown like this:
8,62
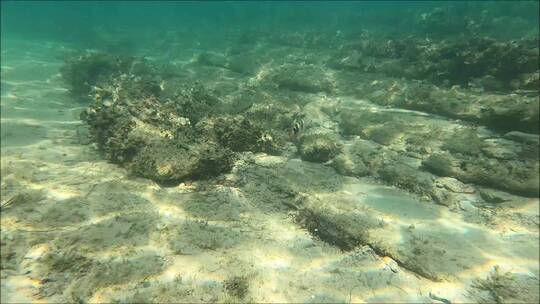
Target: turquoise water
81,21
269,152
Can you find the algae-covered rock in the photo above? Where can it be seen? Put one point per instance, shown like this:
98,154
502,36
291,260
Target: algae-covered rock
356,122
515,176
172,134
304,78
501,148
152,138
523,137
167,161
340,223
439,164
195,236
386,134
493,196
241,134
318,147
498,111
464,141
347,165
194,101
406,177
236,286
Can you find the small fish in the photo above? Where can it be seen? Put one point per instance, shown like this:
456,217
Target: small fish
297,125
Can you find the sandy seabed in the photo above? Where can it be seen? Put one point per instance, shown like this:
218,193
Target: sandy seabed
76,227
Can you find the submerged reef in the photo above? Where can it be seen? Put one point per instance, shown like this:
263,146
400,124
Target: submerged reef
170,127
449,98
165,135
483,61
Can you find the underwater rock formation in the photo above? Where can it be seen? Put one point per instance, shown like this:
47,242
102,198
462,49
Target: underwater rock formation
466,153
152,140
480,61
519,177
318,147
169,135
501,112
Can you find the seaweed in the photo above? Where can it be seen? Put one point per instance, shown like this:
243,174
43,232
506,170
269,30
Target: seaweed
439,164
505,287
83,72
236,286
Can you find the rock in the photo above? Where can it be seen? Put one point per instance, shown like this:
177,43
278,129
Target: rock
501,148
171,136
522,137
304,78
406,177
454,185
319,147
494,196
467,206
443,197
344,165
167,162
385,135
439,164
392,265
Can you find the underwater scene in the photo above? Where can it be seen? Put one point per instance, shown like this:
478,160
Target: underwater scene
270,152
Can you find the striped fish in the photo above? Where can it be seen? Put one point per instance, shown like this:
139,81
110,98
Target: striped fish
297,125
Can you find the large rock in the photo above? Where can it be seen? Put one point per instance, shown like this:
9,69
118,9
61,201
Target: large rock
172,137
